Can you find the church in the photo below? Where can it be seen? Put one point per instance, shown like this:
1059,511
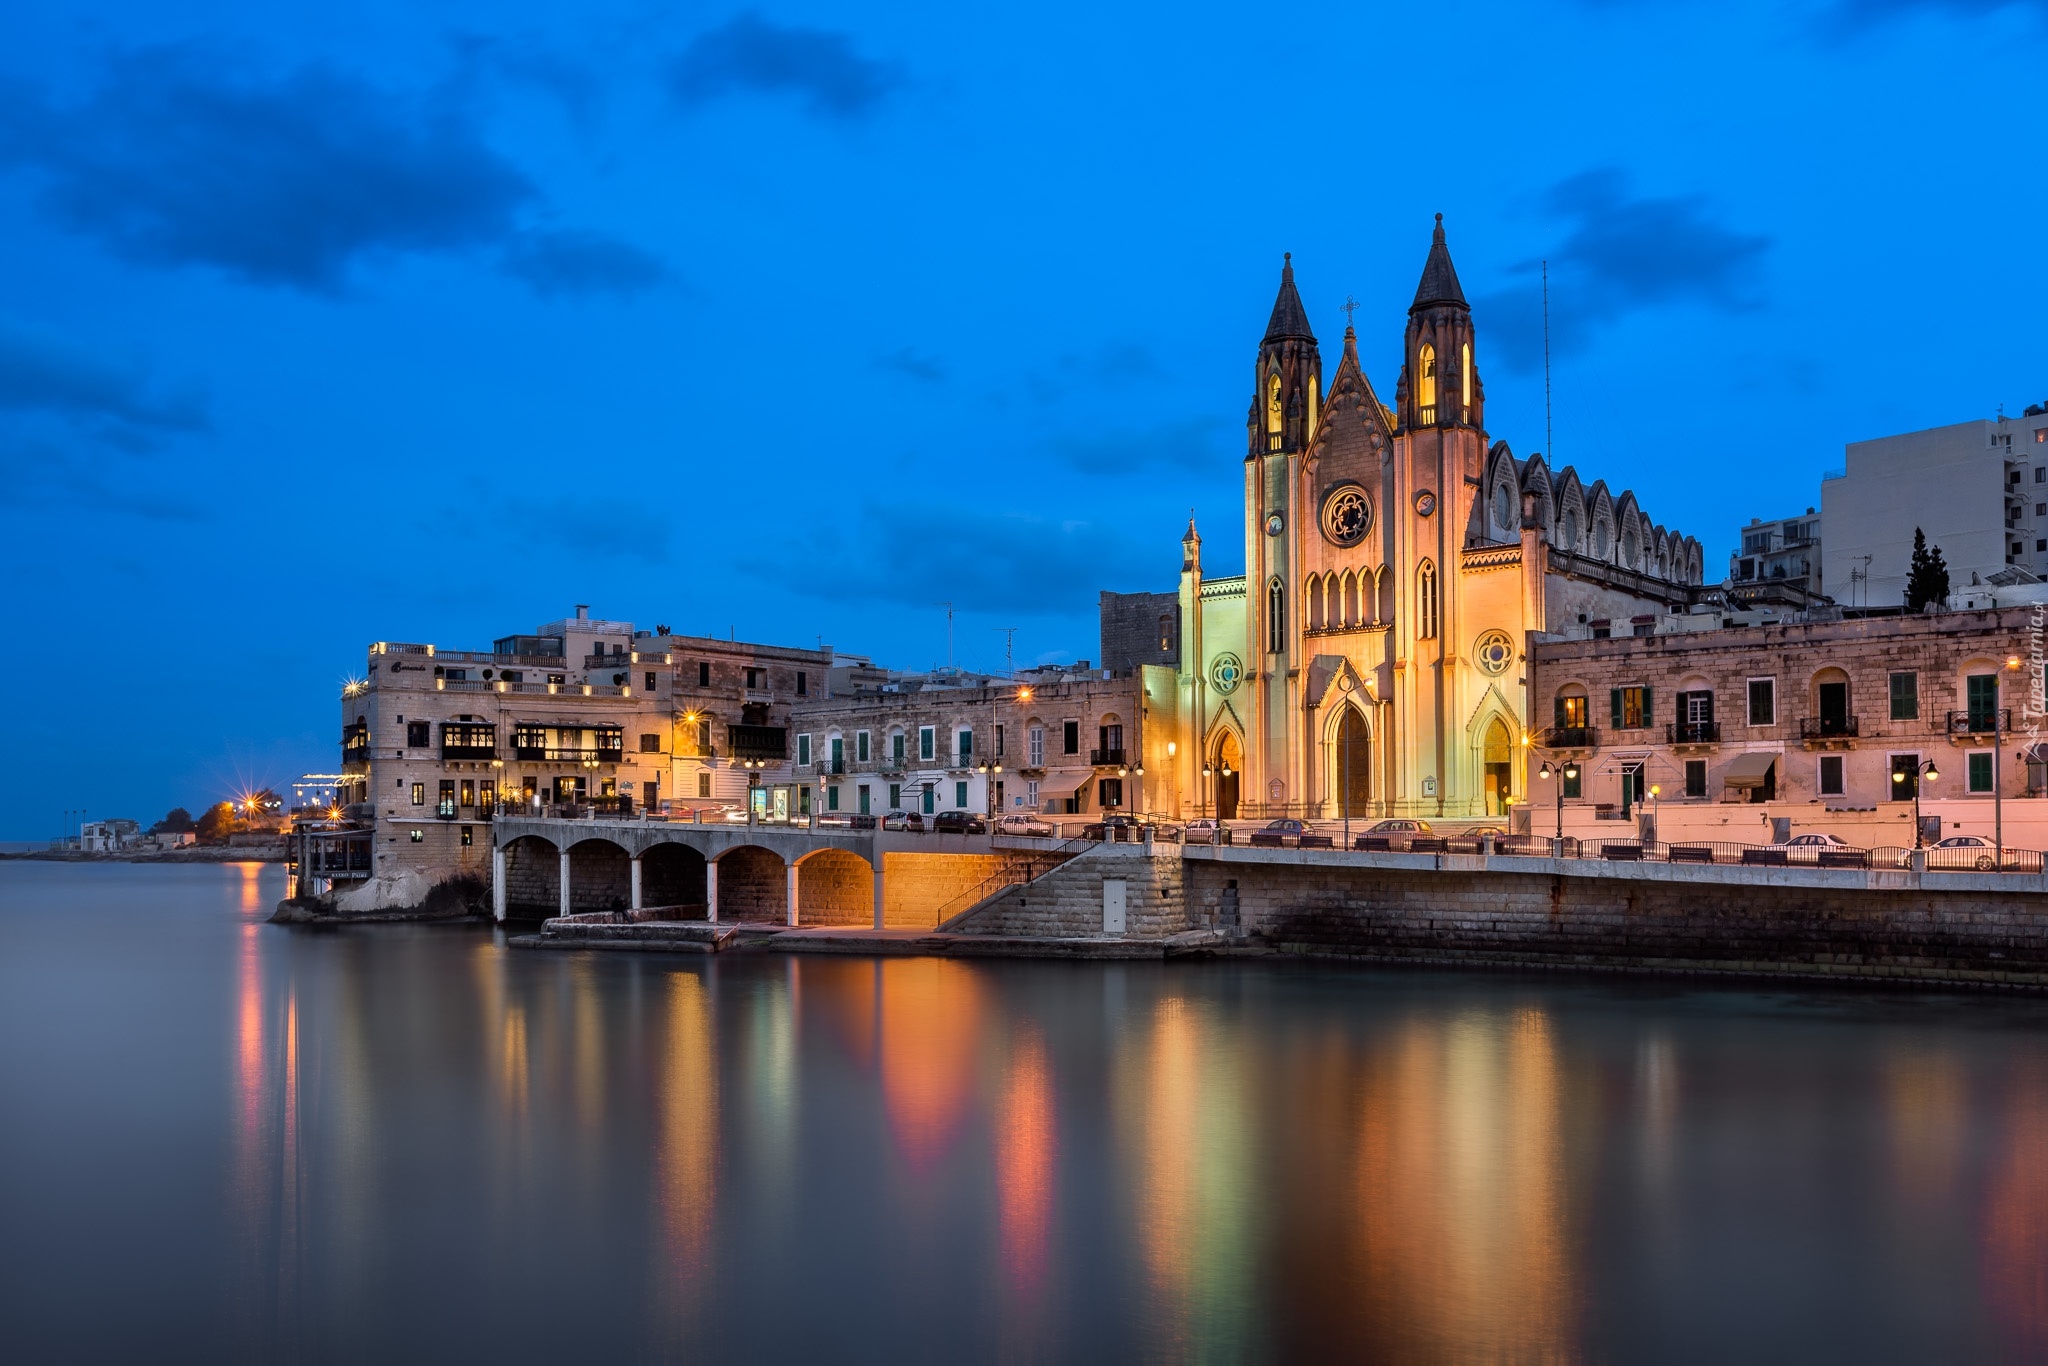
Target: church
1371,660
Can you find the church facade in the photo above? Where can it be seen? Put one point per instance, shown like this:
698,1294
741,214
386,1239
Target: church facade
1372,659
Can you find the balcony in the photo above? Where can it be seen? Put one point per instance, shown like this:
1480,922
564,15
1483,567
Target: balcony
1571,737
758,742
539,754
1980,721
356,753
1813,728
468,752
1425,416
1106,758
1693,733
833,767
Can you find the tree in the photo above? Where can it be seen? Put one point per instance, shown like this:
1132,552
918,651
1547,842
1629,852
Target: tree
1927,577
177,822
218,823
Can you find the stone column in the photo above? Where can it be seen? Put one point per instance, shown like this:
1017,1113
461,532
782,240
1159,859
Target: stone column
498,882
880,920
711,890
635,902
792,895
565,882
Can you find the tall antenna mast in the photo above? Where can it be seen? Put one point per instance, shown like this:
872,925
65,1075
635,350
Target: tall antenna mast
1009,649
949,633
1549,442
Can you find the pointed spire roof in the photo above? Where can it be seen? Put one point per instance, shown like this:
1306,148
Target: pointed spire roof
1439,277
1290,319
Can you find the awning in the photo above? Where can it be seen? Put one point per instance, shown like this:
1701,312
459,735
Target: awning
1063,784
2036,753
1749,770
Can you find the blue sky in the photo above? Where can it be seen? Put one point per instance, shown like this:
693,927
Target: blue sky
325,324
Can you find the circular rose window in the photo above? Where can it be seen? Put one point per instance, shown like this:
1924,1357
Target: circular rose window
1225,673
1494,652
1347,515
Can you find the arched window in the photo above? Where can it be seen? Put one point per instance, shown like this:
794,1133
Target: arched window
1352,616
1273,411
1465,377
1276,618
1425,383
1425,601
1314,615
1569,530
1504,506
1165,633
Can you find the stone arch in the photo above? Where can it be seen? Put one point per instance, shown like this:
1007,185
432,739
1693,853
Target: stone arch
533,879
1385,594
600,876
1347,747
1313,617
1351,614
1496,750
672,878
835,887
1224,750
753,884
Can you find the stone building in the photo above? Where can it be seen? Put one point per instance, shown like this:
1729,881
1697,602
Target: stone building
582,712
1140,629
1843,714
1778,564
1056,741
1371,658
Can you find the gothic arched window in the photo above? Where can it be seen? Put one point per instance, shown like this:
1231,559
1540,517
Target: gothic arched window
1276,618
1425,601
1425,382
1465,377
1274,414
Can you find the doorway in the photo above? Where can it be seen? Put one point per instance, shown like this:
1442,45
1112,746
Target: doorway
1499,778
1229,767
1631,788
1354,765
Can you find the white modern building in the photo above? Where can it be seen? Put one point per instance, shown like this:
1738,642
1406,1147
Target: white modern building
1978,489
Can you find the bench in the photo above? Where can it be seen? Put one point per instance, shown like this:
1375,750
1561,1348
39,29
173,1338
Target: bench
1845,858
1428,844
1773,858
1317,842
1622,853
1266,839
1692,853
1373,844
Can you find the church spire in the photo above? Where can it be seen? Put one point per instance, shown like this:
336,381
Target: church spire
1289,319
1439,277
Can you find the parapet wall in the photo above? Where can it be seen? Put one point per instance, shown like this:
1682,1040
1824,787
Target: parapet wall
1068,901
1988,929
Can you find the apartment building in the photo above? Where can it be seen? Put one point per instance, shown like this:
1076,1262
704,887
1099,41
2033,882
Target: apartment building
1778,564
582,712
1055,741
1844,714
1978,489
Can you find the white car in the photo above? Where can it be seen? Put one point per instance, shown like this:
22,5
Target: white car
1818,841
1017,823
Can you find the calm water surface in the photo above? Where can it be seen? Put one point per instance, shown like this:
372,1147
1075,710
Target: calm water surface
223,1139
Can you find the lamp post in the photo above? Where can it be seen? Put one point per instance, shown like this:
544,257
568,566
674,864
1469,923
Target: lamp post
753,768
1202,792
1927,770
1568,773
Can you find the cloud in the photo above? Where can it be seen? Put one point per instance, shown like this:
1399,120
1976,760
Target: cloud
754,54
1192,446
41,376
1852,15
185,158
905,361
536,64
1620,255
38,476
570,262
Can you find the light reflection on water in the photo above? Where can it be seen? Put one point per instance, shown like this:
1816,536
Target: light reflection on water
407,1141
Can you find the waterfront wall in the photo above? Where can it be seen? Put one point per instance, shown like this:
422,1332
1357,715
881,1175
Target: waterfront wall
1068,901
1937,927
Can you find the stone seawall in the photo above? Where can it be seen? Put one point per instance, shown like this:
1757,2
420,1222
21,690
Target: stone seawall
1537,912
1068,901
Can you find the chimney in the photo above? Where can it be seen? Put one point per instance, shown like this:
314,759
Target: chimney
583,611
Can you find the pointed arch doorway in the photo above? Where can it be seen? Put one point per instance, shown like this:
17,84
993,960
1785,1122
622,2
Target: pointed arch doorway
1353,777
1229,766
1499,773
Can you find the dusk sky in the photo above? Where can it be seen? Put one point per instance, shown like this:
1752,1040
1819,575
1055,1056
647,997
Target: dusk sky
328,324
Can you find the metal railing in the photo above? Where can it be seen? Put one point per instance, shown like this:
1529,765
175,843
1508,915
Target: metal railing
1425,415
1571,737
1980,721
1693,733
1827,727
555,755
1105,758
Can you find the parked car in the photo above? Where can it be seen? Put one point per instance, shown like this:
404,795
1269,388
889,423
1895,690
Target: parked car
1401,827
1206,831
1116,827
1017,823
958,823
1286,825
1473,840
904,820
1964,851
1396,836
1819,841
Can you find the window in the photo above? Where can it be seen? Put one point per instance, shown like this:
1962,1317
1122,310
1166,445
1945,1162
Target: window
468,789
999,740
832,798
445,805
1425,601
650,682
419,794
1072,737
468,835
860,746
927,738
1111,740
803,749
837,746
1465,376
895,796
1980,693
1980,771
931,802
1425,385
703,673
803,682
1273,410
1573,713
1905,777
1696,777
650,795
418,836
1034,747
863,796
753,678
487,794
896,747
1574,780
1830,775
1602,628
704,738
1763,701
963,745
1504,507
703,784
1110,793
418,734
650,744
803,800
960,794
1630,707
1905,696
1165,634
1276,618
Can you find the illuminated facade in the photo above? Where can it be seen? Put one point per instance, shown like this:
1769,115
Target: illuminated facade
1371,660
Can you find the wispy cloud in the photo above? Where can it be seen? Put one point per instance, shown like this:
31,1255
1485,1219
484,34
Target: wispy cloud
817,66
1620,254
905,361
569,262
1194,446
1853,15
42,375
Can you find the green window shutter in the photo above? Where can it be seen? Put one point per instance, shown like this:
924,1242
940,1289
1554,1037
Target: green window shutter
1648,722
1558,705
1614,705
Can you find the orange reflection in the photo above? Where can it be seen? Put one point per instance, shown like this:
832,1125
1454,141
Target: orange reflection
2015,1237
688,1164
252,898
931,1016
843,994
1026,1149
1924,1095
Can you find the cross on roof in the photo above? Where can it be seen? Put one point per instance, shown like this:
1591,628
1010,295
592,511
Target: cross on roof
1350,307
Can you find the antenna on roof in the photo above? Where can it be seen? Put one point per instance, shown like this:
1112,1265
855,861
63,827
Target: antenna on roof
1009,649
949,633
1549,443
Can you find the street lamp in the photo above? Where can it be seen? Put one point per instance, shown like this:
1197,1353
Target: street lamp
1927,770
753,768
1570,773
